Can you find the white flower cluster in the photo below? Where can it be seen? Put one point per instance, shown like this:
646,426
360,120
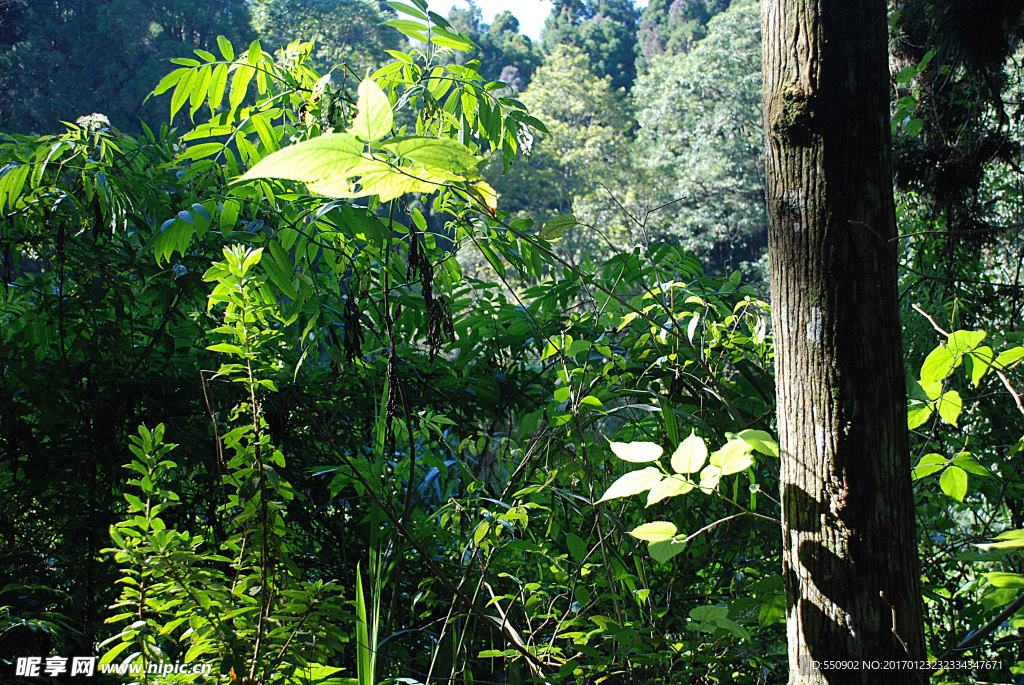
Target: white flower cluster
93,122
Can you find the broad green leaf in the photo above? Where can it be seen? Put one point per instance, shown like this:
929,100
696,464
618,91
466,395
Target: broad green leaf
1001,579
970,464
708,613
760,441
953,482
332,155
709,478
481,532
938,364
981,360
670,487
555,227
1008,357
653,532
962,342
374,119
918,414
733,457
637,452
663,550
950,405
577,547
691,454
440,153
928,464
632,484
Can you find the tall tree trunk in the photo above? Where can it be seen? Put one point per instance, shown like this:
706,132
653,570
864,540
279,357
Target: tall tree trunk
850,552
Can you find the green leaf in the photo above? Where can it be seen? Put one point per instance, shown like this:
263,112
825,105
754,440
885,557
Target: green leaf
440,153
413,29
970,464
709,478
637,452
411,11
670,487
632,484
927,465
331,155
555,227
240,85
1001,579
691,454
962,342
1011,539
374,119
654,532
953,482
446,39
255,53
225,48
980,360
663,550
227,348
918,414
577,547
1008,357
950,405
481,532
734,457
760,441
938,364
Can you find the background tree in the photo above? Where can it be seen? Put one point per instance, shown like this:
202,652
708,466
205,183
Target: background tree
64,59
673,26
604,29
346,32
850,551
504,53
700,133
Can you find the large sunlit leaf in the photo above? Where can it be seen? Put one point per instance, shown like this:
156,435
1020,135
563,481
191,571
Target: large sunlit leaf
691,454
760,441
950,405
655,531
374,118
633,483
637,452
917,414
332,155
670,487
939,364
1001,579
439,153
953,482
734,457
928,464
663,550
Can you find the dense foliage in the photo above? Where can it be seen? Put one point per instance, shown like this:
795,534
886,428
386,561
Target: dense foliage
334,378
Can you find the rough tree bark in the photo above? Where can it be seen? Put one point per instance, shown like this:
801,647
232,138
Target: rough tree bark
850,554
